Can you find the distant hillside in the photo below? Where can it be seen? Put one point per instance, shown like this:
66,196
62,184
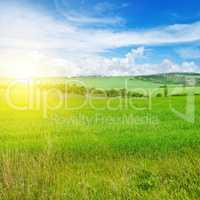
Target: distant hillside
113,82
172,78
147,81
119,82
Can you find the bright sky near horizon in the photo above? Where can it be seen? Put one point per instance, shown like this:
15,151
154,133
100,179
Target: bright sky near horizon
92,37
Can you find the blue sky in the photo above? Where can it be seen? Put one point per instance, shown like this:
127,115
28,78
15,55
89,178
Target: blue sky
85,37
138,13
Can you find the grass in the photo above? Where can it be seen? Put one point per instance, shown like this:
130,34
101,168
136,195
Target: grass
131,82
114,151
114,82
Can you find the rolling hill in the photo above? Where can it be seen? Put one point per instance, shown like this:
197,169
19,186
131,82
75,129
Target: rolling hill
147,81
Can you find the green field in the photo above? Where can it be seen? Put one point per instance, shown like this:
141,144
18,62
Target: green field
100,100
114,82
177,83
131,82
99,148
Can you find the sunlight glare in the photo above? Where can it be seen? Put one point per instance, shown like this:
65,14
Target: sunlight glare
22,66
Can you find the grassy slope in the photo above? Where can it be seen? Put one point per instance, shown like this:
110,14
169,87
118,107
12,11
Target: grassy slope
130,82
144,85
115,82
94,154
171,78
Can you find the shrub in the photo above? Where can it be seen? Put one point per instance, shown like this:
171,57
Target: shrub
135,94
159,95
112,93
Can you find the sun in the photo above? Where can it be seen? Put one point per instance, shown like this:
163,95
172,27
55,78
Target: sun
22,66
22,72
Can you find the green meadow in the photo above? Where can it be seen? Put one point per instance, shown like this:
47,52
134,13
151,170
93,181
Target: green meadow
92,147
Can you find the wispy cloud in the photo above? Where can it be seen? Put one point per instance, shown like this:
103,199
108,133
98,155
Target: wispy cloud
23,27
189,53
85,20
99,14
103,7
66,46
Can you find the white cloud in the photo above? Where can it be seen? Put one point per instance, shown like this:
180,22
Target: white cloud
85,20
23,27
127,65
99,14
65,48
